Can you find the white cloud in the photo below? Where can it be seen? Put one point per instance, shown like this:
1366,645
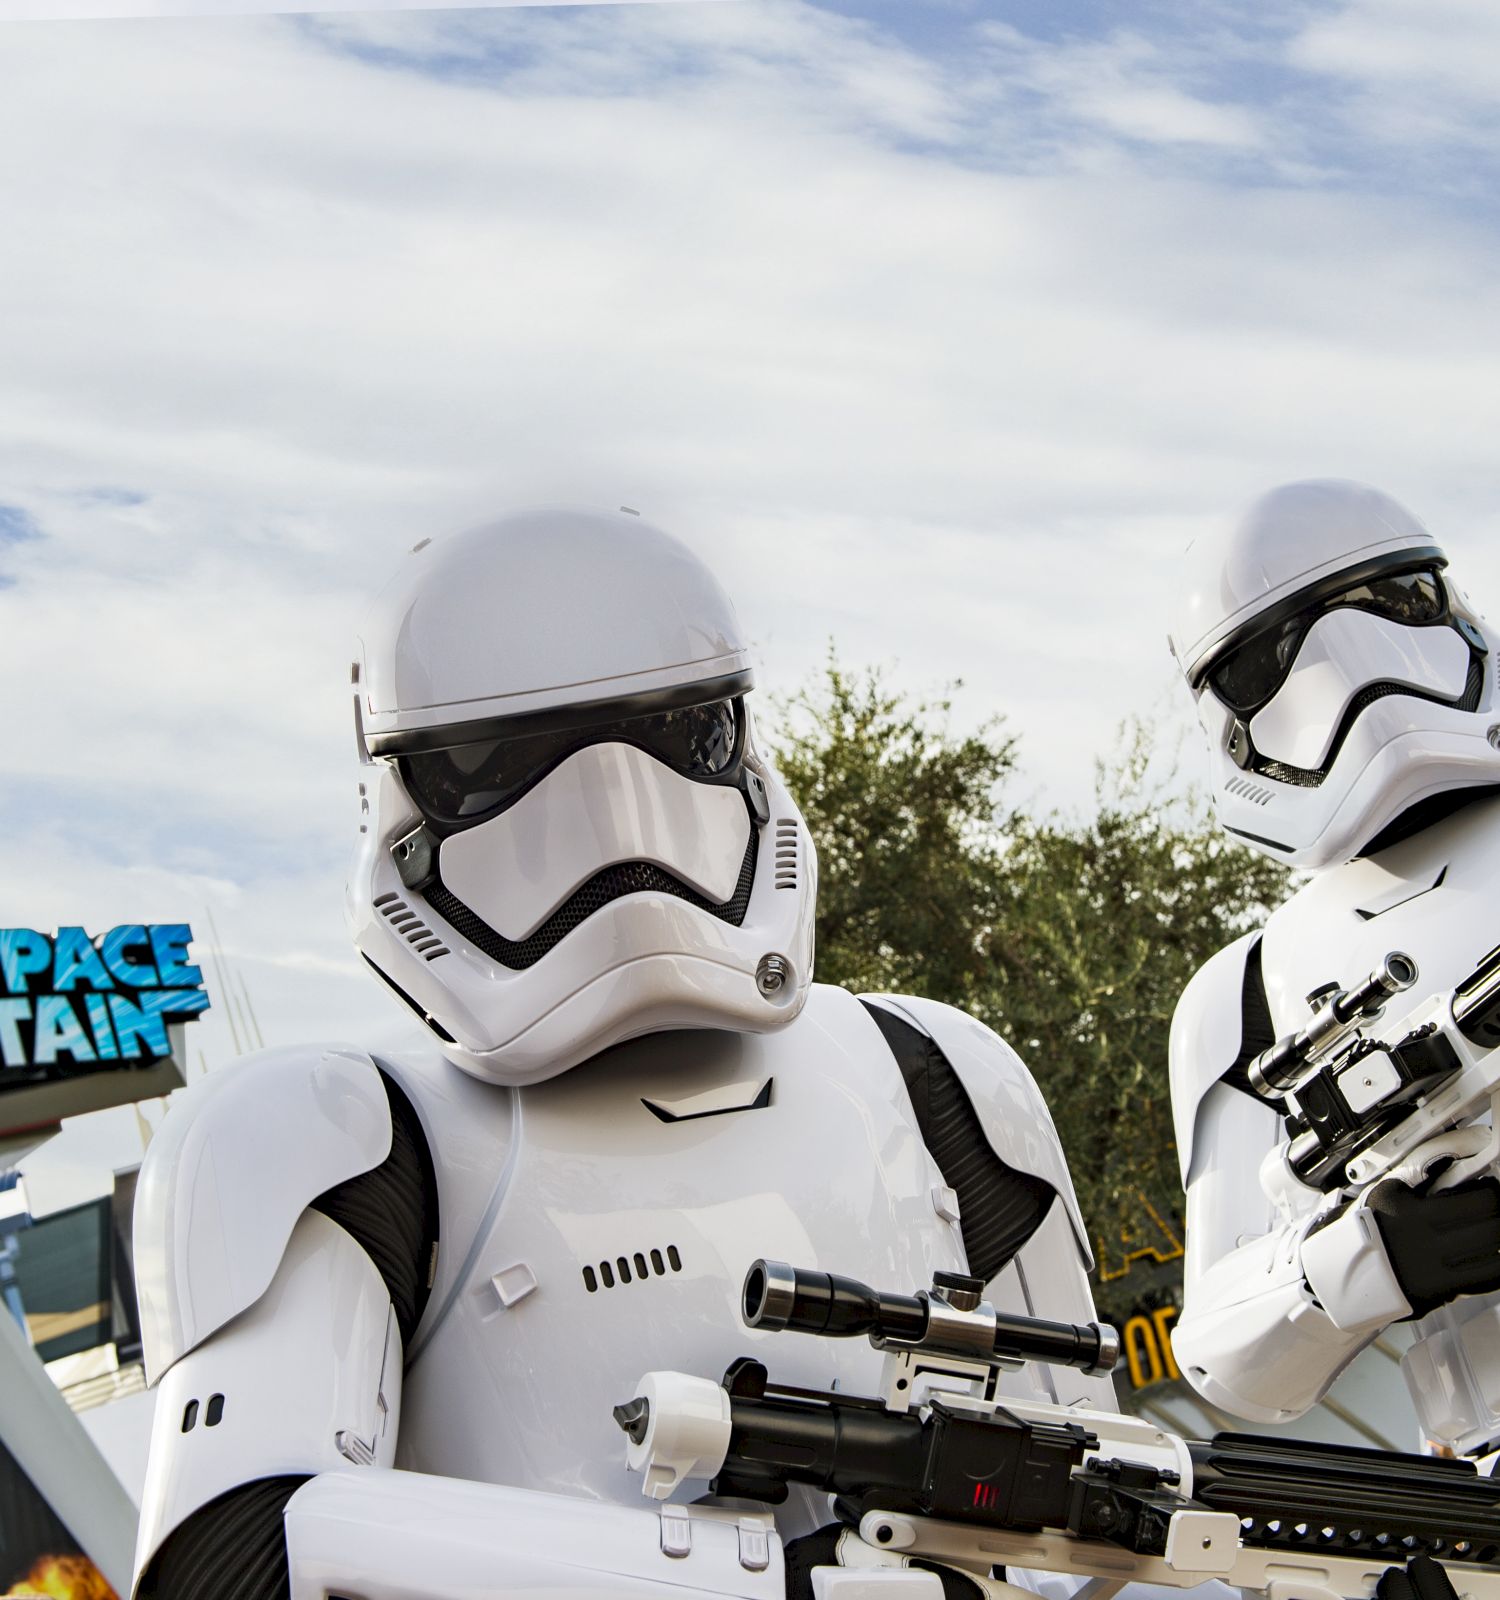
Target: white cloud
1414,83
941,360
1125,85
1448,47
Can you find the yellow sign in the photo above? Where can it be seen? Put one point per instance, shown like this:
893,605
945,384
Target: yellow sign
1148,1348
1152,1239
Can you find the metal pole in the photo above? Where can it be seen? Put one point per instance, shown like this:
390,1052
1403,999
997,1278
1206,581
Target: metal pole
218,960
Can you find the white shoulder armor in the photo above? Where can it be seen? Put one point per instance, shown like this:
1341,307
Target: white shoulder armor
237,1160
1207,1030
1004,1096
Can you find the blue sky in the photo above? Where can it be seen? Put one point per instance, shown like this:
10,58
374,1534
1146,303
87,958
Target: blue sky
16,526
1281,94
939,329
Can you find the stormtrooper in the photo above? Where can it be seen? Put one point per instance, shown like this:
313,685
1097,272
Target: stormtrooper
1349,691
390,1300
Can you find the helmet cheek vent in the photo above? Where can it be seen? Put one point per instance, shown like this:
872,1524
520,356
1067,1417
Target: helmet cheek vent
788,853
404,921
1243,789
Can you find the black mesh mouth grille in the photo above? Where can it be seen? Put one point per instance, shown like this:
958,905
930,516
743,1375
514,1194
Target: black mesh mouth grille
613,883
1312,777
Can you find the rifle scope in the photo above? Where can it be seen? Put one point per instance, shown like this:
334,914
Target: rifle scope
949,1318
1281,1068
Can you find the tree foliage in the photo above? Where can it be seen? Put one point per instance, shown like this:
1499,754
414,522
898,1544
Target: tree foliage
1106,918
1072,936
902,811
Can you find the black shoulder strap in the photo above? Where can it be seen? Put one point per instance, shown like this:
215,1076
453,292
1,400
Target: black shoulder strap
999,1208
1256,1032
392,1213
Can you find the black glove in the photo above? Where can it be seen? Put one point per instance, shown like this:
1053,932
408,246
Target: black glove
1421,1579
1440,1245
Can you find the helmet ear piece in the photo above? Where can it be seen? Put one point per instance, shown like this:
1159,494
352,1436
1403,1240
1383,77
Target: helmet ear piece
1237,745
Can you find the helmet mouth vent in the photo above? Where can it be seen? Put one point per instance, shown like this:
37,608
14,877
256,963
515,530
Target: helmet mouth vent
612,883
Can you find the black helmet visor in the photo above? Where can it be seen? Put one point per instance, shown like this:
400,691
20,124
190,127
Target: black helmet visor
463,783
1247,676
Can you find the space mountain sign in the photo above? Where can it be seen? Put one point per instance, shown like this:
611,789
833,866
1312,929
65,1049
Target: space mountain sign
85,1022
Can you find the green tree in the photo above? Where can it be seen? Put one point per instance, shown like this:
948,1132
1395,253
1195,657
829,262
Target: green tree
902,811
1072,936
1106,918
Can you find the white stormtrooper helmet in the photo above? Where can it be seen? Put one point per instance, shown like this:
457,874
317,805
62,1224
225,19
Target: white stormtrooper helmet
570,836
1341,674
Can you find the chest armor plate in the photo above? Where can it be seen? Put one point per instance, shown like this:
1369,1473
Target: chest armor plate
635,1193
1435,897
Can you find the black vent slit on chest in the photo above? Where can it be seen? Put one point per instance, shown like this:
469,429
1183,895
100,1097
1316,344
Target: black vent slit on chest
638,1266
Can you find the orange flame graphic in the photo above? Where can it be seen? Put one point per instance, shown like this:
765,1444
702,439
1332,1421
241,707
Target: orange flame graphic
62,1578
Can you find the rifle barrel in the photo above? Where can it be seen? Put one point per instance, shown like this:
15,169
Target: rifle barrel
1349,1500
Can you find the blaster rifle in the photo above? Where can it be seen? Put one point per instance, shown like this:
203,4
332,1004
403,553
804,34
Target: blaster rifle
1366,1099
941,1466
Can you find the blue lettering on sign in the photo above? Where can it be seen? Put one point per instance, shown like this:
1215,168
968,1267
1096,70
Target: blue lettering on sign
75,961
23,954
70,1004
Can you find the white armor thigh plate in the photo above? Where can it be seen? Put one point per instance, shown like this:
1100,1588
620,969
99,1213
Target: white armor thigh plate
636,1192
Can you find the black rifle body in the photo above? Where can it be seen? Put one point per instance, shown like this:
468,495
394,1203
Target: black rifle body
994,1469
